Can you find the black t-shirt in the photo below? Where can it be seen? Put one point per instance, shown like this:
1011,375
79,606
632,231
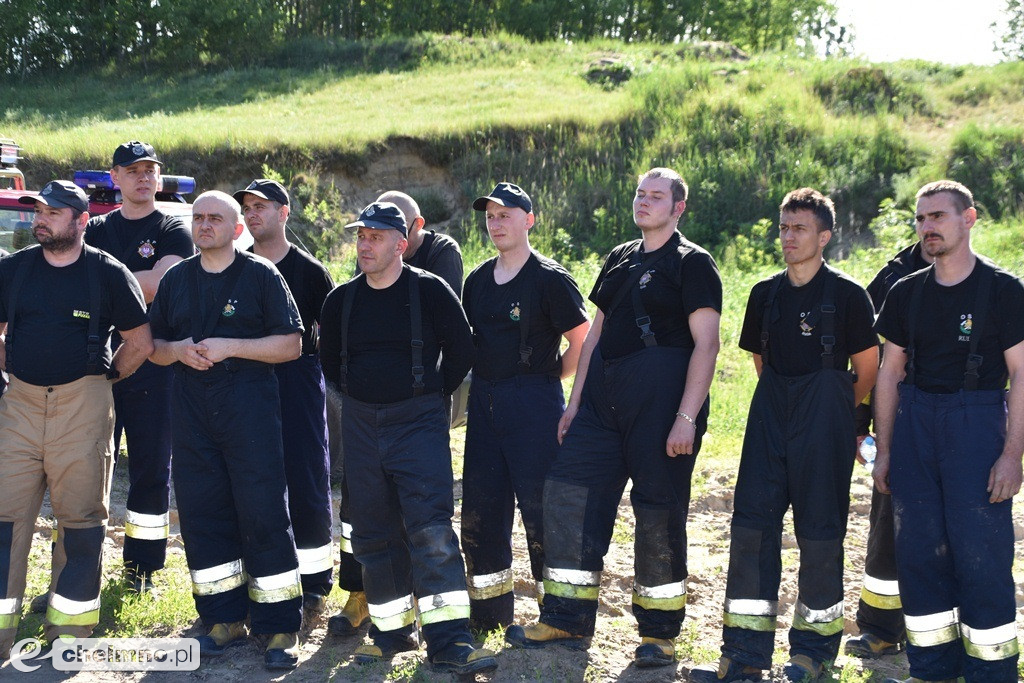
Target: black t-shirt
380,335
310,283
794,330
679,279
50,334
496,313
902,264
944,323
259,304
141,242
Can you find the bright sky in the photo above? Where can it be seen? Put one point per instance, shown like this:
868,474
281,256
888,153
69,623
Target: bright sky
950,31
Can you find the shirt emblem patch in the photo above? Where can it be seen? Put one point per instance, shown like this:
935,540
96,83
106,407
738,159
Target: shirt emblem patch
80,314
229,308
516,312
805,327
147,249
966,324
645,278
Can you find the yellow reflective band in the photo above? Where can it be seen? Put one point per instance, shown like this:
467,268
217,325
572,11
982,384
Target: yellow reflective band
276,588
486,586
219,579
444,607
749,622
10,612
825,628
881,594
146,527
65,612
991,644
9,620
571,592
933,629
667,597
752,608
393,615
315,560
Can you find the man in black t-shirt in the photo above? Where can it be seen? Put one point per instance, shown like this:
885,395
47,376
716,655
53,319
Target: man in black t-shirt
638,411
950,440
879,615
520,306
265,207
223,319
58,304
148,242
804,328
394,341
435,253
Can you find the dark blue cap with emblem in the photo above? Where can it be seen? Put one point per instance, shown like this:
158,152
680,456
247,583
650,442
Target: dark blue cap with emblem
381,216
264,189
505,194
133,151
60,194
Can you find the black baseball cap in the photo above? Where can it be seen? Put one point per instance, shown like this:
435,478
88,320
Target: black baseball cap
264,189
60,194
381,216
133,151
505,194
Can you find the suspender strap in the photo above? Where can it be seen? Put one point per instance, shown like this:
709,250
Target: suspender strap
416,314
770,314
916,294
346,314
203,327
525,308
643,321
24,269
828,320
92,345
636,271
981,302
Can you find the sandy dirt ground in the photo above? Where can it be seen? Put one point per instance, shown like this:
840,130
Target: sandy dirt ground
326,657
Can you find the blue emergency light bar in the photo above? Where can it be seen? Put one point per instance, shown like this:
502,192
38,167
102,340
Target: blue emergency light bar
101,180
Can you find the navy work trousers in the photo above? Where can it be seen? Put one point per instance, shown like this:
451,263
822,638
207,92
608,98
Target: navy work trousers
399,473
954,549
307,467
627,410
798,450
142,411
229,481
511,441
879,611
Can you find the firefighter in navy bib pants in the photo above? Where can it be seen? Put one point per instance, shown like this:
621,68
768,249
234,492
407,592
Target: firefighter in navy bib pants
637,412
519,305
879,611
265,206
804,327
58,304
394,340
435,253
149,242
950,439
223,319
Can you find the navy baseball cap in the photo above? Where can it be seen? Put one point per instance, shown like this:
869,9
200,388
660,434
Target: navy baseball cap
133,151
381,216
264,189
505,194
60,194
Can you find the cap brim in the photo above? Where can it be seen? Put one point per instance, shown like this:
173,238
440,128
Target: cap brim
135,161
374,225
240,195
480,203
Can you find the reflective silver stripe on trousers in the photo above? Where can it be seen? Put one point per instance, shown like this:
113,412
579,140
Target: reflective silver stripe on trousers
930,622
146,527
990,636
540,589
754,608
668,590
219,579
10,606
880,586
820,616
573,577
345,543
438,600
72,607
488,580
391,609
315,560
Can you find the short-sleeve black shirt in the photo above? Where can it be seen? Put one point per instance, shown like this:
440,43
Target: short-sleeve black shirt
795,350
380,335
679,279
50,334
259,305
496,313
440,254
141,242
310,283
902,264
945,321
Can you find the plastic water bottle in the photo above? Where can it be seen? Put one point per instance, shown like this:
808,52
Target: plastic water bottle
868,451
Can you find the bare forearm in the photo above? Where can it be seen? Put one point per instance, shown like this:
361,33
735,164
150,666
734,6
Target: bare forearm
163,352
885,400
699,375
583,364
275,348
1013,447
136,347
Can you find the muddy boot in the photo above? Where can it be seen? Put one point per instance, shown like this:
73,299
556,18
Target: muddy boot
726,671
462,659
870,646
654,652
540,635
352,616
221,637
282,652
801,669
